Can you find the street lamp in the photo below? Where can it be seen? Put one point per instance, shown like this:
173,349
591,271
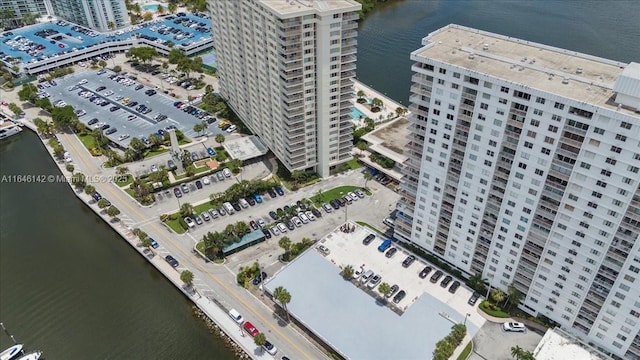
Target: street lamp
465,319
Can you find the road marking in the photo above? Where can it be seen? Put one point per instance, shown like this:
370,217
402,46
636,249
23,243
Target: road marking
161,230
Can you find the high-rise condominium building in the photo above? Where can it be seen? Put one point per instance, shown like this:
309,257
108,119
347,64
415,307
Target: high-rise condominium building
101,15
523,167
21,8
286,68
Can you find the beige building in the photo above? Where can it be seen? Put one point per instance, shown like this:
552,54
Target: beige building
286,68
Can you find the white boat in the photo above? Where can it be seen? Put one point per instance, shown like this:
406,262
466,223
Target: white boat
8,128
31,356
11,352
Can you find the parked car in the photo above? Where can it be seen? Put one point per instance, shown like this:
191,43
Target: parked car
199,184
154,244
375,280
359,193
259,278
323,249
171,260
272,193
399,296
190,222
185,188
327,208
257,198
282,227
366,276
473,299
514,327
214,213
198,219
423,274
445,282
205,216
392,291
454,287
235,315
296,221
436,276
384,246
368,239
266,233
408,261
391,252
270,348
177,192
279,190
253,225
250,329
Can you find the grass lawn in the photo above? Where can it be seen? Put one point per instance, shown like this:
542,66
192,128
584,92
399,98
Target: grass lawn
354,164
175,226
130,192
465,353
129,180
200,246
88,141
202,207
334,193
149,153
199,170
184,141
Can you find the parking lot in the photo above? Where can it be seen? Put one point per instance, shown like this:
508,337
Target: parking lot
150,112
348,249
491,342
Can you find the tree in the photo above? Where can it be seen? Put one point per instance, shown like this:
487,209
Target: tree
186,210
100,139
146,242
63,116
156,140
284,297
113,211
175,56
172,7
384,289
89,189
367,177
285,244
30,18
187,277
142,53
242,228
137,144
376,103
111,25
458,332
103,203
360,95
401,111
121,170
160,9
517,352
514,296
260,339
44,104
15,108
198,128
220,138
28,92
498,295
528,355
102,64
79,180
476,282
347,272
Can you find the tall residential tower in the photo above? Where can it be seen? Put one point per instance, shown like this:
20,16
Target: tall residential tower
524,167
286,68
101,15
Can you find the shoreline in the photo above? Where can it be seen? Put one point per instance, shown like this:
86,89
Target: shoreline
204,308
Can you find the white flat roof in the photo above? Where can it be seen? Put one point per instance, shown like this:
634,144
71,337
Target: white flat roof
558,346
558,71
301,7
245,148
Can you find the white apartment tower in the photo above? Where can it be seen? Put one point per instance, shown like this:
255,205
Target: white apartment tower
21,8
286,68
101,15
524,167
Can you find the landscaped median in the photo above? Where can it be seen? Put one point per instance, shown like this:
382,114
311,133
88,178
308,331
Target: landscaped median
323,197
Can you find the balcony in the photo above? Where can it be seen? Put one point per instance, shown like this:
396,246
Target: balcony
349,42
348,59
349,50
349,25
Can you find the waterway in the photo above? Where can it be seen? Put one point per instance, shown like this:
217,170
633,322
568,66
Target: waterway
71,287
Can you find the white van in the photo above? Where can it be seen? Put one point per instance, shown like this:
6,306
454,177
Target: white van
235,315
243,203
367,275
229,208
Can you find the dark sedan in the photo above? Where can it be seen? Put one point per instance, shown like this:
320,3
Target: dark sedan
258,279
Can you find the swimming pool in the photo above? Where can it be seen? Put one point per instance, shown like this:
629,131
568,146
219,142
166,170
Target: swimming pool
151,7
357,114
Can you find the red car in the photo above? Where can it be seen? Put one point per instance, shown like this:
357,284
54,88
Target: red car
250,329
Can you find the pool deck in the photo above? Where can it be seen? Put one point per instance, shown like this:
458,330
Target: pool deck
387,112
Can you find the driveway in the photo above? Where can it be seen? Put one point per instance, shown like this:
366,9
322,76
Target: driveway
491,343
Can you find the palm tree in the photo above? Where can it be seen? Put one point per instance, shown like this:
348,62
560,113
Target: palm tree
242,228
260,339
527,355
476,282
458,331
187,277
360,95
498,295
219,138
284,297
347,272
172,7
517,352
89,189
285,244
186,210
111,25
514,296
376,103
367,177
113,211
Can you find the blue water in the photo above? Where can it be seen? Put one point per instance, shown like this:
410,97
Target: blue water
150,7
387,36
77,40
357,114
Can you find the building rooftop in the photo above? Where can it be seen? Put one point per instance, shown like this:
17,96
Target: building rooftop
558,71
389,139
245,148
301,7
557,345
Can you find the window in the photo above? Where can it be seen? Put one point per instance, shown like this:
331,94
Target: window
611,161
531,134
621,137
558,105
616,149
535,123
540,100
553,129
625,125
602,184
598,131
605,172
585,165
549,140
633,169
504,89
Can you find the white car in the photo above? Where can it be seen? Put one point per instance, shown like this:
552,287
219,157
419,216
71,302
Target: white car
275,231
310,215
232,128
303,218
226,172
514,327
108,93
190,222
357,273
123,137
271,349
282,227
83,81
206,181
235,315
353,196
323,249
